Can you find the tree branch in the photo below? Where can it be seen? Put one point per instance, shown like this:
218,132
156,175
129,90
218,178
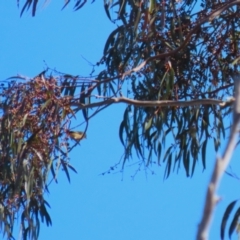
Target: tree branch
163,103
220,166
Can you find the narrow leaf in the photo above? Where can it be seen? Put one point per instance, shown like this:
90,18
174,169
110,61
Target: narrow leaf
234,223
26,5
148,124
44,214
225,217
82,100
168,167
121,129
34,7
65,169
72,168
66,3
159,149
204,146
186,158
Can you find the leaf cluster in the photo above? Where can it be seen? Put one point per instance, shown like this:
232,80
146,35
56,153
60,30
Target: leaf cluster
33,4
34,145
185,57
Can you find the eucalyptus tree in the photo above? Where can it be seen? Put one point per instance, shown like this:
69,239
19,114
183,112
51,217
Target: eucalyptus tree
172,63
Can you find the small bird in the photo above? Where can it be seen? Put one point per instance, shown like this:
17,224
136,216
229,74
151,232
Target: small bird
76,135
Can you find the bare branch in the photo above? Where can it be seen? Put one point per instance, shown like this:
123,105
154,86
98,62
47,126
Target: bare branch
164,103
220,167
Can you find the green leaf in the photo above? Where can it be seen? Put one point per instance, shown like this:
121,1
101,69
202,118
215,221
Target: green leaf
216,143
121,129
194,150
236,61
177,159
205,122
225,217
193,166
149,157
186,161
78,5
111,39
137,144
34,7
159,149
138,18
82,100
167,153
204,147
63,86
148,124
152,6
24,119
72,89
26,5
168,86
102,75
171,78
168,131
66,88
112,89
46,203
168,167
66,3
126,119
72,168
65,169
179,124
172,28
234,223
220,125
106,7
122,10
44,215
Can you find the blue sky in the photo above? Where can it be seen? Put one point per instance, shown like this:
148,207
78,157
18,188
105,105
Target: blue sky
112,206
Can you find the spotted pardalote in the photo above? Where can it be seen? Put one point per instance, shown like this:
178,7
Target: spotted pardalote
77,135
